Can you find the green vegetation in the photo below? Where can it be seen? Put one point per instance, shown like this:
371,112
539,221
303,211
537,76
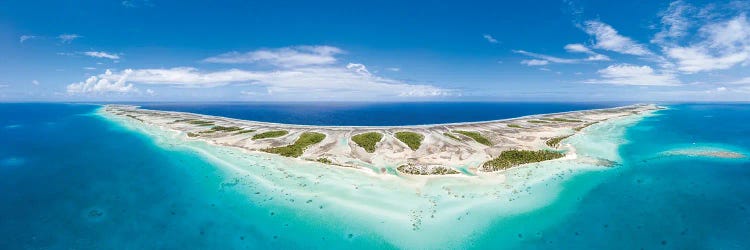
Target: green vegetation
555,141
299,146
324,160
195,122
413,140
191,134
226,129
557,119
221,129
439,170
134,117
475,135
368,140
270,134
514,126
512,158
452,136
536,121
245,131
584,126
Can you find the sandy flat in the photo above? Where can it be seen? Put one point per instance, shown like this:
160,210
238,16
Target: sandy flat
436,149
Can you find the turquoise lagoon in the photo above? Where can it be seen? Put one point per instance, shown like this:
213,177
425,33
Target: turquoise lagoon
72,177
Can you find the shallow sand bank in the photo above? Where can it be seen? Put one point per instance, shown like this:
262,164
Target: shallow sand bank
402,210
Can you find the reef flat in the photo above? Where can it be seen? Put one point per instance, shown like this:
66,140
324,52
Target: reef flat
422,150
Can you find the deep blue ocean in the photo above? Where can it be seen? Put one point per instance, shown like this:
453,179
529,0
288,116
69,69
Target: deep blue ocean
70,179
375,114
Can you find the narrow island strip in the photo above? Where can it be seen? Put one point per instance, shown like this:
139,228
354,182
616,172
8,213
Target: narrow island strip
440,149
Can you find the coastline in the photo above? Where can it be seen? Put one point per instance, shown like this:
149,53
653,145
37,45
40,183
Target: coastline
338,194
443,148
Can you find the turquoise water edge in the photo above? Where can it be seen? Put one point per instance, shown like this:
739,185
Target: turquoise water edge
72,177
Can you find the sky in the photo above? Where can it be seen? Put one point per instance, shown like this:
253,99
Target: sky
562,50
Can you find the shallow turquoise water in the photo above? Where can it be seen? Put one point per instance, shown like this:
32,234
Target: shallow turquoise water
72,179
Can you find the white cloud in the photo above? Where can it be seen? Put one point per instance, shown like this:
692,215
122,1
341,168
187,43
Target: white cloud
489,38
67,38
24,38
534,62
303,72
580,48
104,83
351,81
359,68
101,54
722,46
35,82
745,80
284,57
675,24
547,58
607,38
393,69
89,68
626,74
150,92
577,47
137,3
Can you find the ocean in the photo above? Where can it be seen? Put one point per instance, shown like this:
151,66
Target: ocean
73,178
375,114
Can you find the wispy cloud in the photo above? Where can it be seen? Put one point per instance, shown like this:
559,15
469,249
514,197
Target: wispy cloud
101,54
547,57
627,74
534,62
674,23
137,3
284,57
721,45
35,82
745,80
489,38
607,38
24,38
67,38
580,48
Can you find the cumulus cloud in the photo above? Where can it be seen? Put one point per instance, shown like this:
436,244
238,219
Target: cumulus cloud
284,57
104,83
101,54
67,38
607,38
490,39
627,74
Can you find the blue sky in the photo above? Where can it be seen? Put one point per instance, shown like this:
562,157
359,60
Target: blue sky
153,50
